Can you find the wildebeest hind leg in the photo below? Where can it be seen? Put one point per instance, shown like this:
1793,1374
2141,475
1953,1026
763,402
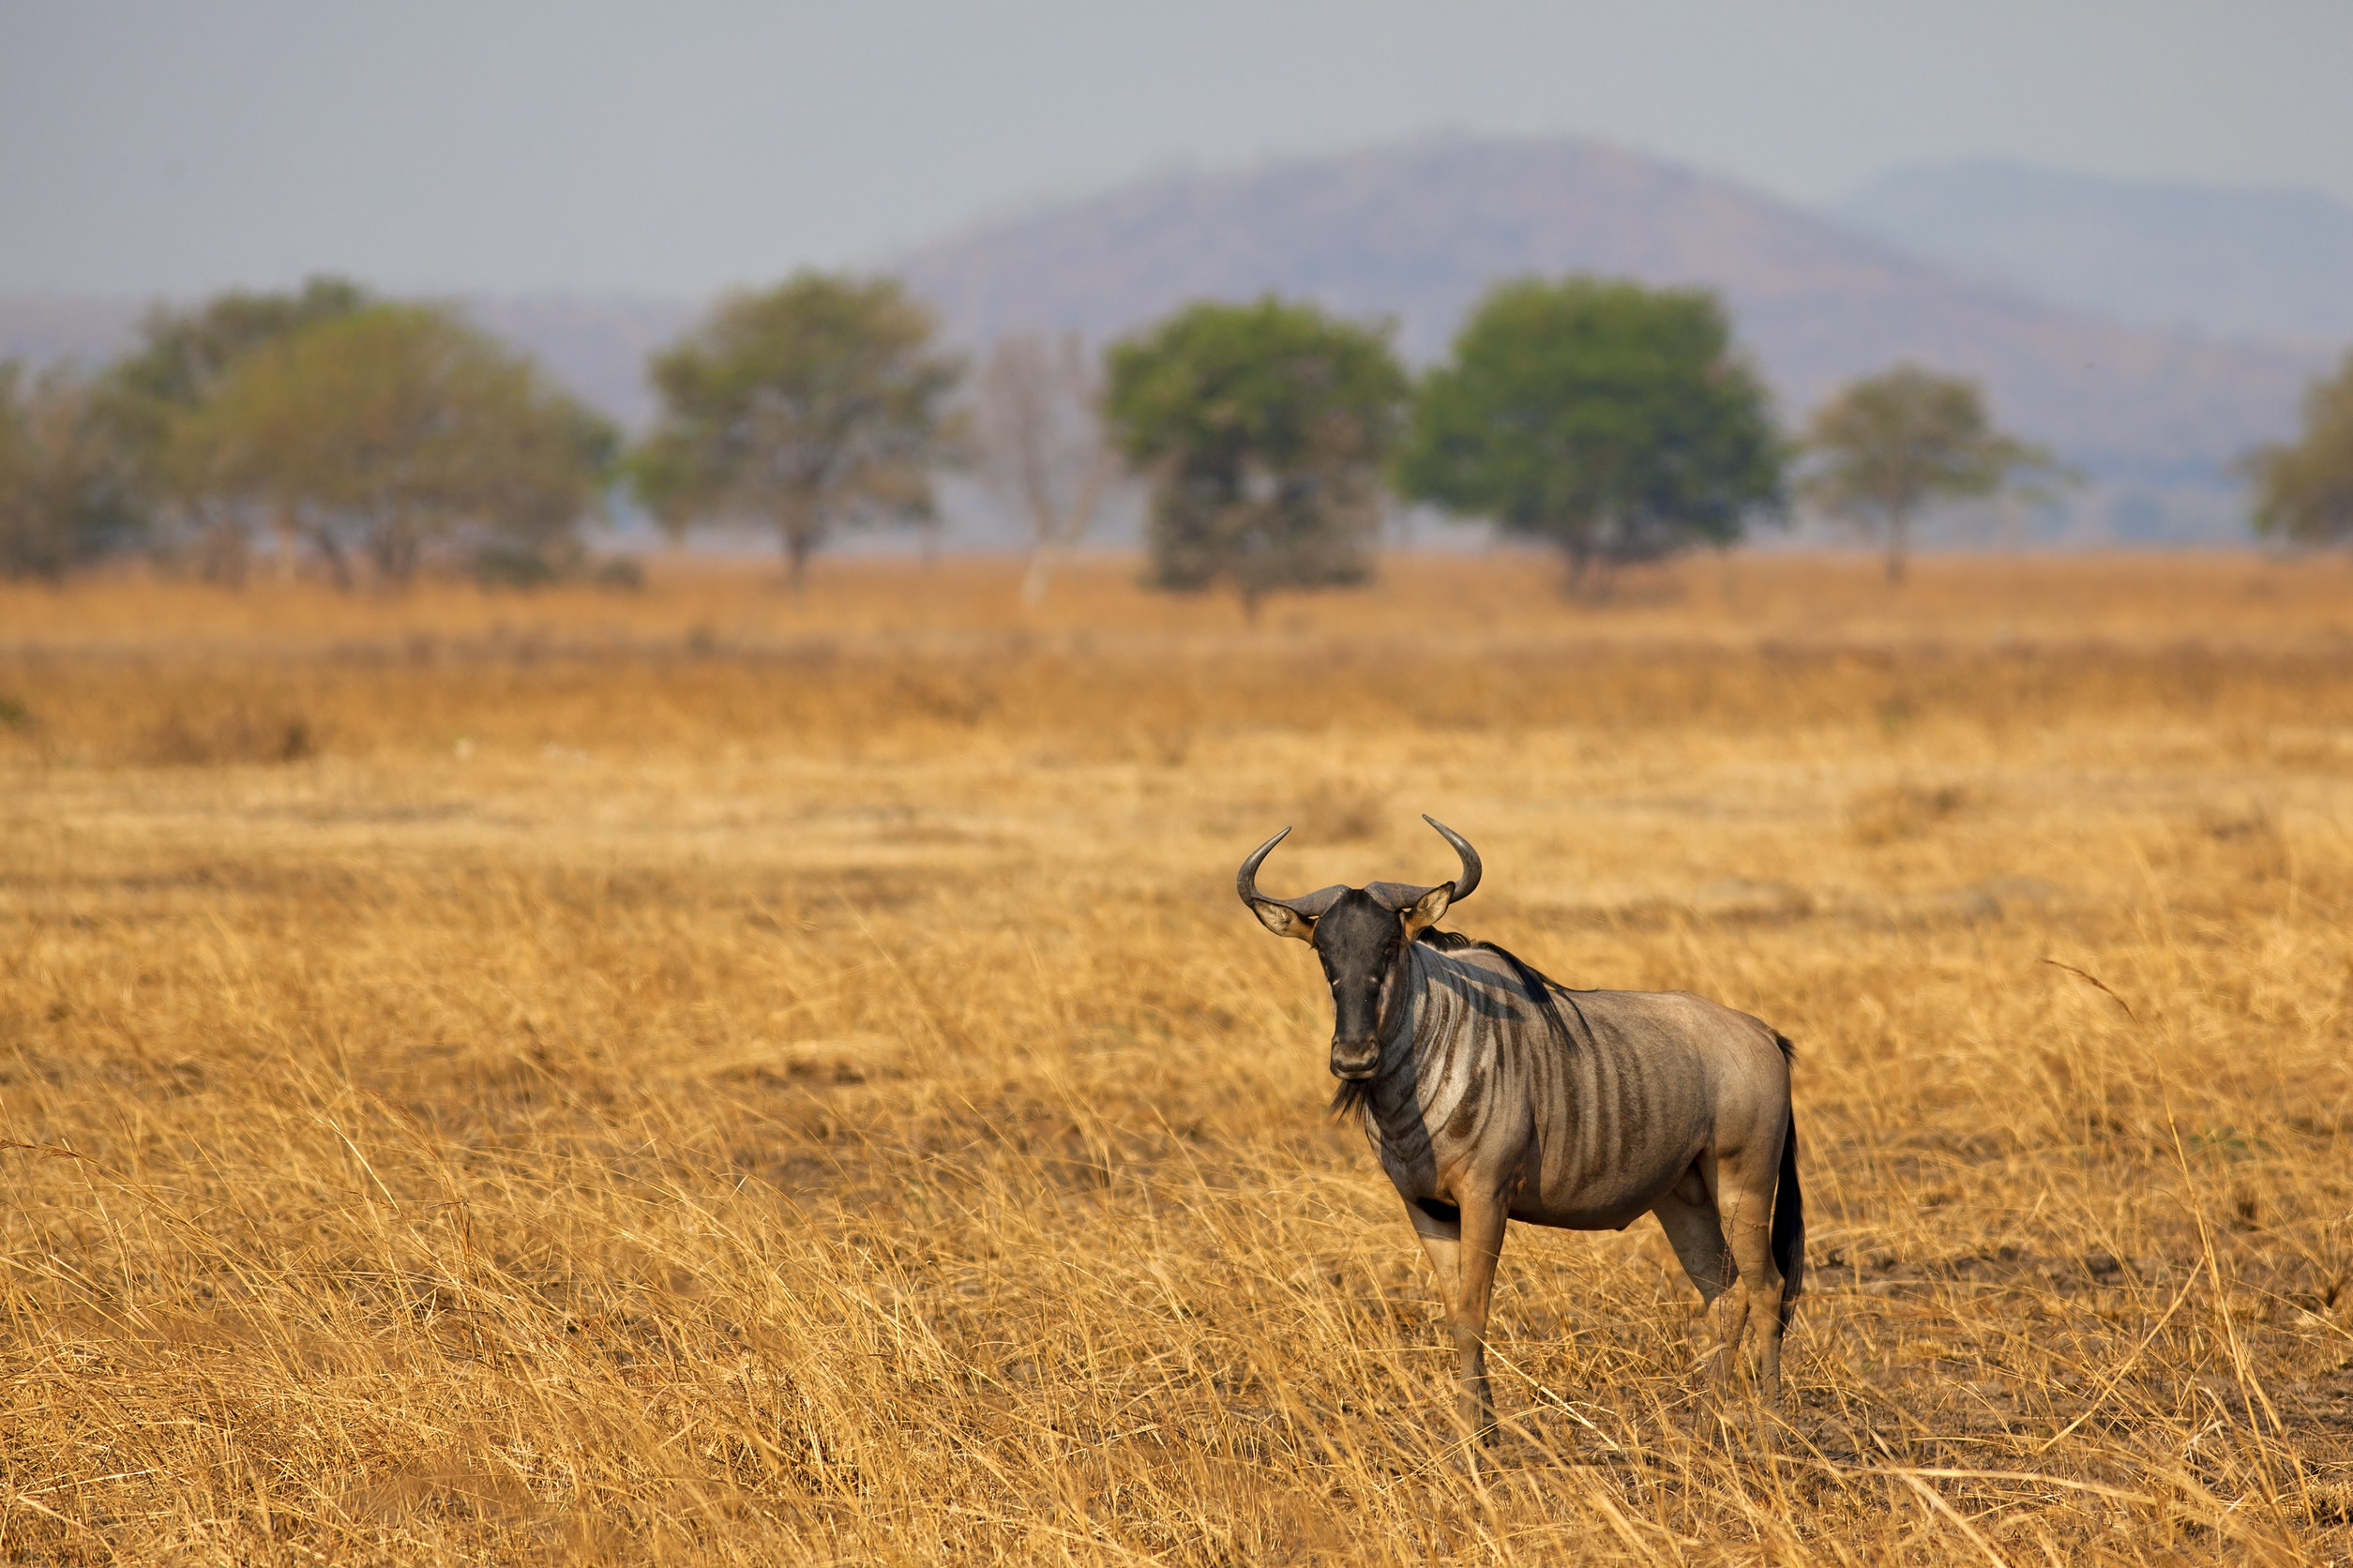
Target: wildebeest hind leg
1747,1216
1696,1232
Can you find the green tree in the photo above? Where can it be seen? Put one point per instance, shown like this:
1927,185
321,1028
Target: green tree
395,435
183,355
818,405
62,498
1261,429
1886,447
1610,420
2304,490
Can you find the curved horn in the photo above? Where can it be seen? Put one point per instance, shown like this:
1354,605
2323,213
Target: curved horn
1312,905
1469,857
1246,880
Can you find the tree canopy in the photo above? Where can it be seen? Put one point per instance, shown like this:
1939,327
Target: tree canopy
183,354
1609,419
1262,429
820,404
1885,448
2305,488
394,435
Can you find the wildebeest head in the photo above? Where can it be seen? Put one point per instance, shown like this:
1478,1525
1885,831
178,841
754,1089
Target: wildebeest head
1360,935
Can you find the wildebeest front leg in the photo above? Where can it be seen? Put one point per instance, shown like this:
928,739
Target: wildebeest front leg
1438,1227
1481,1228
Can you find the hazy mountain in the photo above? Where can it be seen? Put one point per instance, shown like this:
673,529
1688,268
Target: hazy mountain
596,346
1417,230
2262,264
84,330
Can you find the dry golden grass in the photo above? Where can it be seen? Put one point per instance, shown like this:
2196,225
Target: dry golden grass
705,1076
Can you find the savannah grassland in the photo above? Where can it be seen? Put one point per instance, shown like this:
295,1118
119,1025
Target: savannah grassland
699,1076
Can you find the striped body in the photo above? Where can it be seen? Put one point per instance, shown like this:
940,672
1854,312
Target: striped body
1583,1125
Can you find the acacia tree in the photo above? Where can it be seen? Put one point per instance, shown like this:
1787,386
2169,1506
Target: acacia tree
63,501
394,436
1038,408
2305,488
183,356
818,405
1886,447
1610,420
1261,429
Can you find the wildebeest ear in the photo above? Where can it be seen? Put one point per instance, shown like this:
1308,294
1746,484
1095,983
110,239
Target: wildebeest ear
1284,921
1426,909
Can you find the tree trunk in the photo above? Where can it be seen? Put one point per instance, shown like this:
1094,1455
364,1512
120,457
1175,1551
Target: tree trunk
395,549
287,543
1898,527
1033,578
800,527
1579,560
339,565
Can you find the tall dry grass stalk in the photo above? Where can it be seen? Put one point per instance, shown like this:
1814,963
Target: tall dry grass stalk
709,1077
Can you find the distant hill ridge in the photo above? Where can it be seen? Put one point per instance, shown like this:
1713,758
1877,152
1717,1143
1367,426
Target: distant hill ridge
1416,230
2258,264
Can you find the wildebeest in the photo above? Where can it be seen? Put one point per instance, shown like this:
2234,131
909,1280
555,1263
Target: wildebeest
1491,1093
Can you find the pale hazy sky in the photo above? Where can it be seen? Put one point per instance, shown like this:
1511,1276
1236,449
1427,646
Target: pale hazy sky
668,149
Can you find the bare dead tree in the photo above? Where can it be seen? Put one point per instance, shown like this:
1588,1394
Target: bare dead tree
1041,443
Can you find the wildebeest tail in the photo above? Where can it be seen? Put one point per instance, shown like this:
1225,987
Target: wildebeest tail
1789,1224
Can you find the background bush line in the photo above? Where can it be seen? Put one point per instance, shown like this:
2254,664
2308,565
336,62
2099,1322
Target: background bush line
327,431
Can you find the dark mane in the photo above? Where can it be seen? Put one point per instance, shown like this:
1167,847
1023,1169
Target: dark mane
1352,1100
1543,990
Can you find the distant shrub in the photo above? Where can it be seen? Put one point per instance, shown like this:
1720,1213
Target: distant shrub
239,735
1906,811
508,560
620,573
1338,814
63,502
